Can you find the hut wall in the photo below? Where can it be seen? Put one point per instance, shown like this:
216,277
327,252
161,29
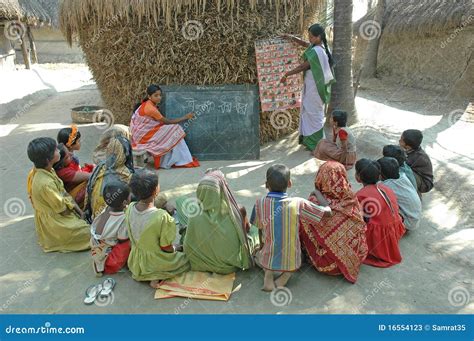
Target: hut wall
125,57
7,54
436,62
52,47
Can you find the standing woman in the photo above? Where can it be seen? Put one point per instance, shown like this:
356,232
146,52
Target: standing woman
161,137
318,78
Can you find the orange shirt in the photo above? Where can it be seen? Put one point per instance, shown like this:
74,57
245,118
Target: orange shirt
150,109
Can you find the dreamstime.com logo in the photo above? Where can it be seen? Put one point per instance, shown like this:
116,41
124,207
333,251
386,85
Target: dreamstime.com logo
103,116
105,300
46,329
455,116
14,30
371,206
370,29
459,296
280,119
14,208
192,207
192,30
281,297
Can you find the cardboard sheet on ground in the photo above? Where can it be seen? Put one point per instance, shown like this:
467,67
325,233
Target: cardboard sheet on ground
198,285
274,57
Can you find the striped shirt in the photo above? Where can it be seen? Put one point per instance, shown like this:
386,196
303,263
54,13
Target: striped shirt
278,216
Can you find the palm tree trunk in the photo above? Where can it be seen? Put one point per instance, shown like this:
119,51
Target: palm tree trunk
342,95
369,67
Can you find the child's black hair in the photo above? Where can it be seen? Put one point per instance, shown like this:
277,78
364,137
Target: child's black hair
413,138
143,183
368,171
389,168
41,151
115,193
62,153
340,117
63,136
318,31
392,150
277,178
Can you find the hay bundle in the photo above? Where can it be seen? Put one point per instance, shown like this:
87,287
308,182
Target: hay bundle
129,44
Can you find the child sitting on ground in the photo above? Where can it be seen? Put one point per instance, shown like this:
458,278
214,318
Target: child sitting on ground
73,176
71,138
110,245
417,159
399,154
342,148
57,216
381,213
407,197
151,231
277,217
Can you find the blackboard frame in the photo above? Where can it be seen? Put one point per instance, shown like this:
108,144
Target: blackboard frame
253,153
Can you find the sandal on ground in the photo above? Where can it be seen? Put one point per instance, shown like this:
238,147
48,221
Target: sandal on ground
91,293
107,286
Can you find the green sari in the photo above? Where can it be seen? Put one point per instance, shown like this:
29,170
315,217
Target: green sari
215,240
316,94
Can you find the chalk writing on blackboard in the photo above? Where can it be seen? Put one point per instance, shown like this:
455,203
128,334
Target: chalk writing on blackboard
241,108
226,121
225,107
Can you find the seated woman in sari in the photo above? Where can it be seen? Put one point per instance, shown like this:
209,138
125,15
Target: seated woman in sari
118,165
161,137
73,176
337,244
216,235
116,130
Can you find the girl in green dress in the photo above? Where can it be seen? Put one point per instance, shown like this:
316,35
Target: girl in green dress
151,231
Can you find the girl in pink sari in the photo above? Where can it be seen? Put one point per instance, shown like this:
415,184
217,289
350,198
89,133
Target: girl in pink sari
335,245
161,137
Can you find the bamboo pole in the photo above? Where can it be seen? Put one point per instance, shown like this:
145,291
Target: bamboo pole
34,56
25,52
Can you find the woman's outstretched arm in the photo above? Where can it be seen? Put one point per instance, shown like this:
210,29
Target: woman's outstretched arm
299,41
302,67
177,120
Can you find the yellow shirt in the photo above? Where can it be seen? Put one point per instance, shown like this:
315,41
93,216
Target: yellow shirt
57,231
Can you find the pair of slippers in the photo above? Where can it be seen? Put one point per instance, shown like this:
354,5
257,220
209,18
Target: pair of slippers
103,289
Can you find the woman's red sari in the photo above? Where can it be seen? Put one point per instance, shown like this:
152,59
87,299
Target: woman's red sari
336,245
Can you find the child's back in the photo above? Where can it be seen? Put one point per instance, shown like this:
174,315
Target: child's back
417,159
150,231
110,246
408,200
384,224
276,215
405,169
421,165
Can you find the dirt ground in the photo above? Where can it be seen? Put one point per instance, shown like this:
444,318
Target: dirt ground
436,275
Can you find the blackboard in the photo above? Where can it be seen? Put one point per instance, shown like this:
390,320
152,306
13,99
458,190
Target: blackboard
226,125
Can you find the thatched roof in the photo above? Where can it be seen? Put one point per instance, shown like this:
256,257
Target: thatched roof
422,16
52,8
74,14
29,11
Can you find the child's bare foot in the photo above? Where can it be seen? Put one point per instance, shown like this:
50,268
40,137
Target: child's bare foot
268,283
282,279
154,284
